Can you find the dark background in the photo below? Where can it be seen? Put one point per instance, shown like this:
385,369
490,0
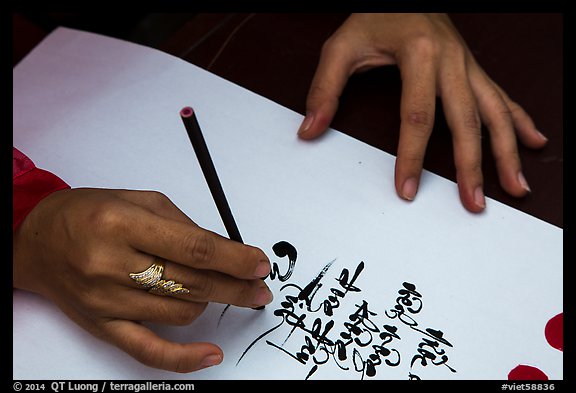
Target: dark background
275,55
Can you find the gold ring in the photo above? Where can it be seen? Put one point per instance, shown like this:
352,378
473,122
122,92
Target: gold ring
151,279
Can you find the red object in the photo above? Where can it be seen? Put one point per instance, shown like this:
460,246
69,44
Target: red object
523,372
554,332
29,186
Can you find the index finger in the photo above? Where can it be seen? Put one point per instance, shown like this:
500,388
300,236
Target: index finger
332,73
190,245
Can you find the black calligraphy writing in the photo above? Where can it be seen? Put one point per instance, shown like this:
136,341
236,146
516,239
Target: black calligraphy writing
310,333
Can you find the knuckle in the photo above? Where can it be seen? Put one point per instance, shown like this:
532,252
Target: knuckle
334,44
201,287
320,94
158,199
181,366
184,315
500,118
420,123
88,268
327,46
412,160
497,113
505,154
246,292
514,109
455,49
471,168
316,90
108,217
423,45
420,119
149,353
96,266
503,110
200,247
472,124
92,301
179,314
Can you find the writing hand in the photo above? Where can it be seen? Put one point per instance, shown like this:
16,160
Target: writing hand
77,247
433,61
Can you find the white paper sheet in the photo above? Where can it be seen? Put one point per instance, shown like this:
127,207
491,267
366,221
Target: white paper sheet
105,113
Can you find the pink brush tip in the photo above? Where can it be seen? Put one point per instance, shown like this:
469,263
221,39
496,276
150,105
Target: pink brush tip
186,112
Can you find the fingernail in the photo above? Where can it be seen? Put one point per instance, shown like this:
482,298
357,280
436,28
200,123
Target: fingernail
262,269
523,182
479,199
542,136
307,123
409,189
211,360
263,296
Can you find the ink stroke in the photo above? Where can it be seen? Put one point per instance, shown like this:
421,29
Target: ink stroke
364,342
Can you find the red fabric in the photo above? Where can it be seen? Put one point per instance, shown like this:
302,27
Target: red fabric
29,186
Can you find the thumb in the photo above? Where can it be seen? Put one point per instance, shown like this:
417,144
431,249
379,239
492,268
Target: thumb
334,68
